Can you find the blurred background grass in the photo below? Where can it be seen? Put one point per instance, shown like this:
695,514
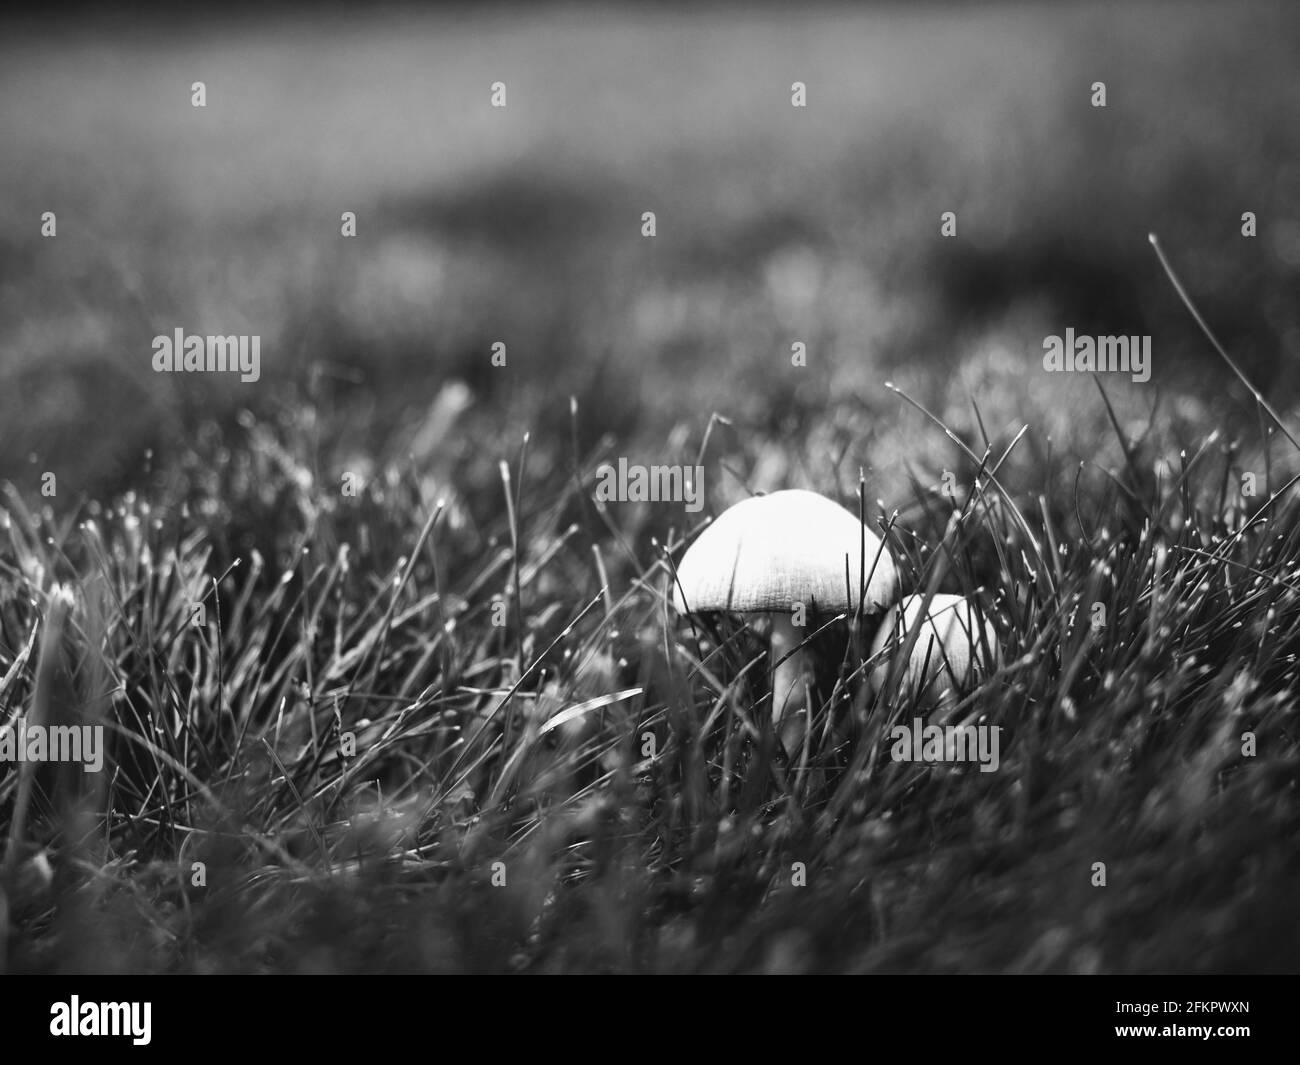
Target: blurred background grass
775,224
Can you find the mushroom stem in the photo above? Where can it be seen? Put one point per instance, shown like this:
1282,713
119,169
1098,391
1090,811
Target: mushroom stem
787,676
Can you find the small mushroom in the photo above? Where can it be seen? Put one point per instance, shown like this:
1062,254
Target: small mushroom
770,554
948,655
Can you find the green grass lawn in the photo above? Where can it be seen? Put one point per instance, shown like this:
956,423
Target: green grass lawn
355,743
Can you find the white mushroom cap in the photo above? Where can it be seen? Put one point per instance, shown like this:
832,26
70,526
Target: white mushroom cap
769,552
951,640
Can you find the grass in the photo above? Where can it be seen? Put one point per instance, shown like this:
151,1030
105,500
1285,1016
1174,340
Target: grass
450,722
658,827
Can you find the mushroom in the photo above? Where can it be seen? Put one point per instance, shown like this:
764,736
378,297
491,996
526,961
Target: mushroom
946,659
771,554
